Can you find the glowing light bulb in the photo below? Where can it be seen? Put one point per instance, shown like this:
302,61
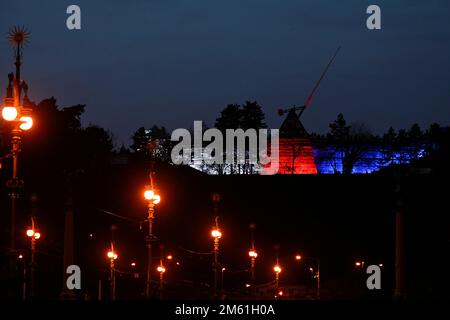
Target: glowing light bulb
9,113
27,123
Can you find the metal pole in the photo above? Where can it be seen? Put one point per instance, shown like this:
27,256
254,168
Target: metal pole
99,290
112,279
216,263
399,292
277,281
15,148
161,279
18,64
252,258
161,273
15,184
216,256
277,275
32,262
32,265
24,285
216,199
114,282
221,281
318,279
151,210
253,270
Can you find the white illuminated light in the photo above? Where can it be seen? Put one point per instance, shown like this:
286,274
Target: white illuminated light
149,194
161,269
9,113
27,123
216,233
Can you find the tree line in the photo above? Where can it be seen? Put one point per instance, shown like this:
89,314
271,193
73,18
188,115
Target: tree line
344,145
59,139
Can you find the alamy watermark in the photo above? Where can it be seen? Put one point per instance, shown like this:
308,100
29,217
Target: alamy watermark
73,280
73,21
249,147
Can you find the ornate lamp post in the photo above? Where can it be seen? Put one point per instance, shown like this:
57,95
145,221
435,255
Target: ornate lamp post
317,274
17,113
152,199
34,235
161,269
277,269
253,255
112,255
216,234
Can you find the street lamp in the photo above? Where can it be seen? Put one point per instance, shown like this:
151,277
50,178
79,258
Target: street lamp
253,255
16,111
277,269
18,117
161,269
317,275
152,200
112,256
34,235
9,113
216,234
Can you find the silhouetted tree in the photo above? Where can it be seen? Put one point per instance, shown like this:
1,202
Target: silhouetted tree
234,116
388,148
97,140
415,141
433,137
153,143
230,118
349,143
252,116
59,140
141,138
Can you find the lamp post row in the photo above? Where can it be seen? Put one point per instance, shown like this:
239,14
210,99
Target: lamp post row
153,199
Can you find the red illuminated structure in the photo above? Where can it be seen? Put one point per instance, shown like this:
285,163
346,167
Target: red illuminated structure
295,154
295,150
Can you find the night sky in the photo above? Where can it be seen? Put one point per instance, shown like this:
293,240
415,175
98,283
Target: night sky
170,62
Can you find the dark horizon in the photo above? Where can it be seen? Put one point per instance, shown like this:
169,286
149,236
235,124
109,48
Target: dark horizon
130,63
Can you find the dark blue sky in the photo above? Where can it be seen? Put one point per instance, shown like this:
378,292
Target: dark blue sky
170,62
